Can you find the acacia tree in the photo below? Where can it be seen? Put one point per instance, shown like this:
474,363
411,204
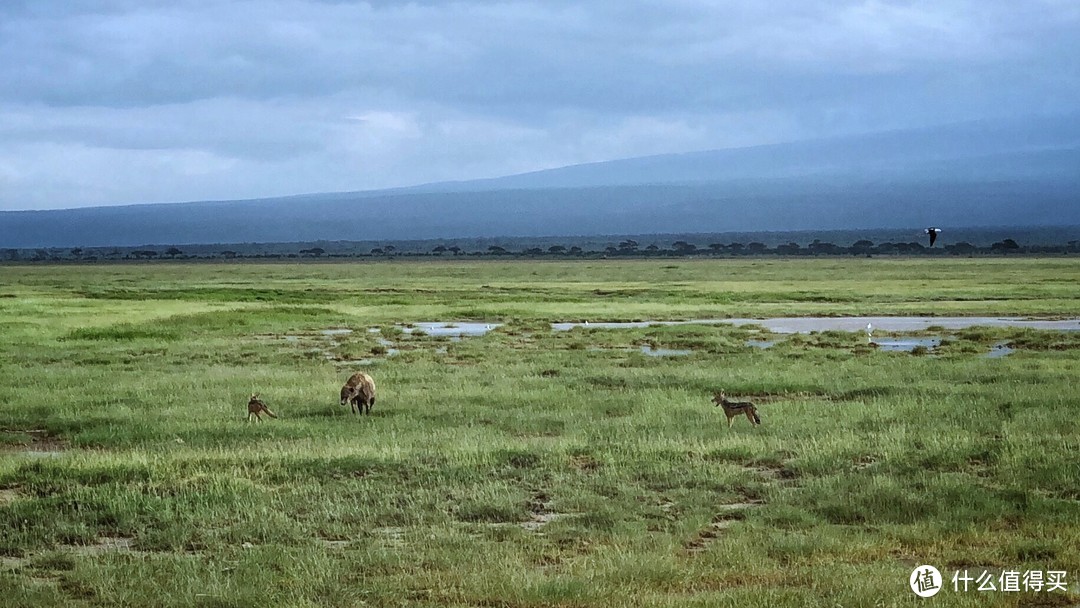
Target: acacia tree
1005,246
862,246
961,248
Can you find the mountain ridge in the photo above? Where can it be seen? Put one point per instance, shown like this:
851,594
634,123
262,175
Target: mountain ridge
1015,173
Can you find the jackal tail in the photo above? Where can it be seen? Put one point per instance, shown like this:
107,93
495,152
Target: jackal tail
268,412
753,413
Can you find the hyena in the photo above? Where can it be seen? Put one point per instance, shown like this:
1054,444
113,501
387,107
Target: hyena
256,407
734,408
359,393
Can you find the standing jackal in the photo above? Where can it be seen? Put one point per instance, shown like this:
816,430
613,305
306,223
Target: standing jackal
256,407
359,392
734,408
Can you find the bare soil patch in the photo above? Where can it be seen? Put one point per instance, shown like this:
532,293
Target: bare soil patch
39,444
104,544
8,496
725,518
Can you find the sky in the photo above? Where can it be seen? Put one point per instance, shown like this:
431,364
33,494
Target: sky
139,101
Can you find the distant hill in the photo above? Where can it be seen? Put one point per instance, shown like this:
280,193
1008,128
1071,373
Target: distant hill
1034,147
974,174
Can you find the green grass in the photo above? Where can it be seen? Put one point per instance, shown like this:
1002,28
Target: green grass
529,468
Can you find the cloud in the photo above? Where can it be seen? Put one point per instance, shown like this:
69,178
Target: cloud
189,99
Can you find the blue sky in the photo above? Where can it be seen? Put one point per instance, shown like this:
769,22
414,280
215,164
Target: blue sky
132,101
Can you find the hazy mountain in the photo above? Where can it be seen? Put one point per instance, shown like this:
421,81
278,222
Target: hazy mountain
980,149
974,174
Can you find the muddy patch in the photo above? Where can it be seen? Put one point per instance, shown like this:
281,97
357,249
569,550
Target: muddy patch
665,352
585,462
540,515
726,517
779,473
9,495
393,536
540,520
327,343
387,347
36,444
103,545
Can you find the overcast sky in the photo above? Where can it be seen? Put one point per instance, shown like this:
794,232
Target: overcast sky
130,101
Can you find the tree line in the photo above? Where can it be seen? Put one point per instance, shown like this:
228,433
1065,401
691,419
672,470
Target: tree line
624,248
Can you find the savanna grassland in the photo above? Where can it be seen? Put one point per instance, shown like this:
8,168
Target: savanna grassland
528,467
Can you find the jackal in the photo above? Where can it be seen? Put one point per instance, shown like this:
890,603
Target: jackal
256,407
359,393
734,408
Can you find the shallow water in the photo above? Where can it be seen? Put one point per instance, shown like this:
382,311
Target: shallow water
390,350
336,332
999,350
665,352
762,344
906,344
450,329
794,325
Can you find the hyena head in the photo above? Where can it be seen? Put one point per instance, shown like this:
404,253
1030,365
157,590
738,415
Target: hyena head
347,393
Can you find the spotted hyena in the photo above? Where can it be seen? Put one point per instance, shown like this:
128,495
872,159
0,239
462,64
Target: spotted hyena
359,393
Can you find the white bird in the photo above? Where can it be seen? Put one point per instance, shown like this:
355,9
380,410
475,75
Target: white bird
869,328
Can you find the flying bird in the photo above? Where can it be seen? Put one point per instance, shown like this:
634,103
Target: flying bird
933,232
